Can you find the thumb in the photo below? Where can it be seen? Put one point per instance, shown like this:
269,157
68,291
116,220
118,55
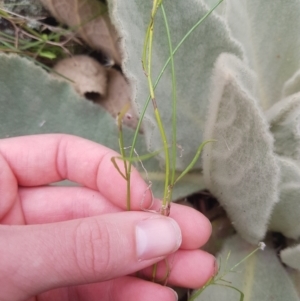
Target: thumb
37,258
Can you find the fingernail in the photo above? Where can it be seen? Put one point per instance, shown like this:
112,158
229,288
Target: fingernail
156,237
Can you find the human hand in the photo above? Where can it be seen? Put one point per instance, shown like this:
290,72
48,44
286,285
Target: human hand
79,243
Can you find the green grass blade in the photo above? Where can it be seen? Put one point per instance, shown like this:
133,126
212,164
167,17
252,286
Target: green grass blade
232,287
9,46
193,162
31,45
114,162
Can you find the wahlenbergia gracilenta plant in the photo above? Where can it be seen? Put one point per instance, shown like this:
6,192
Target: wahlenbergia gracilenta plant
170,156
237,82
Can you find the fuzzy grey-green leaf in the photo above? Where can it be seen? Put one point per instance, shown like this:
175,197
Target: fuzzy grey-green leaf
257,277
284,120
291,257
240,169
292,85
32,102
295,277
286,213
269,33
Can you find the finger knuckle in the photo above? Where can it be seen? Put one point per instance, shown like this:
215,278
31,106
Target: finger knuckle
92,243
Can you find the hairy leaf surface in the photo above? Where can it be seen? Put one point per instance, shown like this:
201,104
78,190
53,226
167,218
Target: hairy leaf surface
291,257
257,278
285,216
269,33
240,168
284,120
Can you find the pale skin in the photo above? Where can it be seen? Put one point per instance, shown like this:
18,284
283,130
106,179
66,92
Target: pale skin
79,243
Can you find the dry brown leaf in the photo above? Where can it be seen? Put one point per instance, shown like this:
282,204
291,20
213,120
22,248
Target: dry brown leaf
90,19
87,75
118,95
108,87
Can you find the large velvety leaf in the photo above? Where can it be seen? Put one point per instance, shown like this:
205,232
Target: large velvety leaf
261,277
286,213
194,62
284,120
32,102
295,277
269,32
213,3
291,257
292,85
240,168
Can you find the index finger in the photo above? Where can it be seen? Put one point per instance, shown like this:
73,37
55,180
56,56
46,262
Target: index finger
42,159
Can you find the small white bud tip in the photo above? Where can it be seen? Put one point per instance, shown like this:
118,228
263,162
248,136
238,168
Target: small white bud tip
261,245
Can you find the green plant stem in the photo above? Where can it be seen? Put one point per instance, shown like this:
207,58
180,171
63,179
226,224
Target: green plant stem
216,279
244,259
174,105
147,55
199,291
219,284
166,198
144,56
123,154
183,40
160,75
